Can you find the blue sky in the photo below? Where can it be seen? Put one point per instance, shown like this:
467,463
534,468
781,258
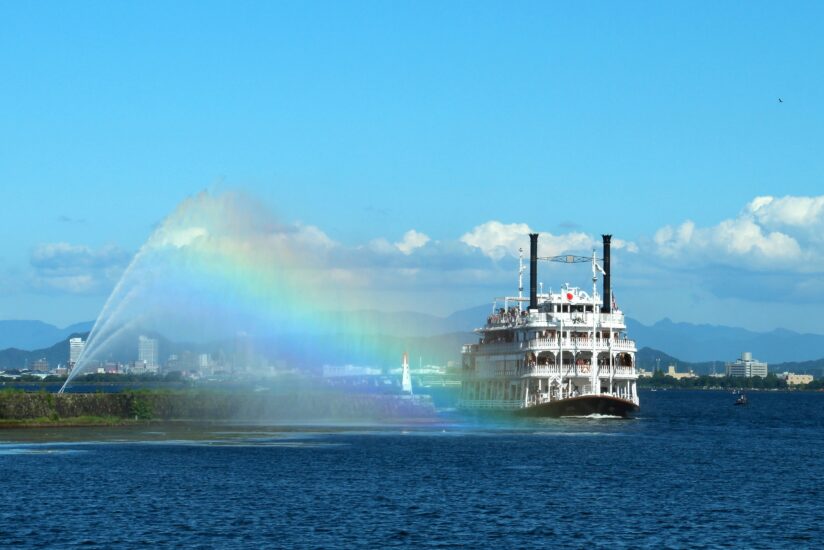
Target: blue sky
370,119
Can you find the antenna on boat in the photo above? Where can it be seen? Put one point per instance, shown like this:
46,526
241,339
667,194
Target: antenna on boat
521,270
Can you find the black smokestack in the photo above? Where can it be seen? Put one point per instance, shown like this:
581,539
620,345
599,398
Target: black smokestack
607,305
533,271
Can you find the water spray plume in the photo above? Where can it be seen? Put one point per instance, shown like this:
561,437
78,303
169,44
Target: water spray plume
221,265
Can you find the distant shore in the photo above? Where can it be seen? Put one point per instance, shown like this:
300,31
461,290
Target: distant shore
73,422
42,409
706,382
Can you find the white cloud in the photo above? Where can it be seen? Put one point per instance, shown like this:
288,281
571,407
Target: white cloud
411,241
629,246
75,268
787,211
59,256
736,240
496,240
768,233
305,240
313,236
381,246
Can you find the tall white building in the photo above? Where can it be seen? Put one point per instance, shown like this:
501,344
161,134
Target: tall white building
76,346
147,351
747,366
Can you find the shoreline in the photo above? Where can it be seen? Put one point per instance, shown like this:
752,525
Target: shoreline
71,422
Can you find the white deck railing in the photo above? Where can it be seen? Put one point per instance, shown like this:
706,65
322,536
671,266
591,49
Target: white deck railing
566,369
555,344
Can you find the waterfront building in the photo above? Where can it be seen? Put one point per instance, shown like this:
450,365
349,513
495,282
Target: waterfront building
793,379
747,367
76,346
41,365
147,349
680,375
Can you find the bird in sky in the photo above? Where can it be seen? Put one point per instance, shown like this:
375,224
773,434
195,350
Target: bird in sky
780,100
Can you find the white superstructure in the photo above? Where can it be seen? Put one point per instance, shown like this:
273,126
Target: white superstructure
566,344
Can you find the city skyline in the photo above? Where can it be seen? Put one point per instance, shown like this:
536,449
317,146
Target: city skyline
412,140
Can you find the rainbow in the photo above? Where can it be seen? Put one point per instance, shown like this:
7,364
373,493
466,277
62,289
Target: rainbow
222,264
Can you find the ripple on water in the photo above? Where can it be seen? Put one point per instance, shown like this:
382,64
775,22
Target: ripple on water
673,478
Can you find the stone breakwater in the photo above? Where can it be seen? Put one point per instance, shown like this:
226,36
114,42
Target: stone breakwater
196,405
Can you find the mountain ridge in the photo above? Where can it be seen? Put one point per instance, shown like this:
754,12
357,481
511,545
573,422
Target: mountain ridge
693,343
32,334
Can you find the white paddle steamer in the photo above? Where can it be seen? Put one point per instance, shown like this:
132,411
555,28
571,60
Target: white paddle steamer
565,354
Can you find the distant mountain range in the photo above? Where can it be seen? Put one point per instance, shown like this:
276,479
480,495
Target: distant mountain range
690,343
702,343
650,359
13,358
30,335
687,341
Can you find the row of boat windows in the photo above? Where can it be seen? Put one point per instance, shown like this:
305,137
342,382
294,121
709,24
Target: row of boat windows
583,358
567,308
520,336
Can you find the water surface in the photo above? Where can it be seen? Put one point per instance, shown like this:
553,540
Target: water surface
690,470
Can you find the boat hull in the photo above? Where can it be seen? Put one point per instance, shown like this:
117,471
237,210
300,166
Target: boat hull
584,405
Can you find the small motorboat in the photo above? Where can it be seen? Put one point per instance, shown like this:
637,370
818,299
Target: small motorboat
742,400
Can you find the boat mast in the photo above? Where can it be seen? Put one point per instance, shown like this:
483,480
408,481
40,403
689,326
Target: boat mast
594,368
521,269
594,380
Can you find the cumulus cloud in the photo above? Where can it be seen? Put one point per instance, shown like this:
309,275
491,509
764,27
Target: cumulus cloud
76,268
62,256
235,232
787,211
629,246
768,233
411,241
496,240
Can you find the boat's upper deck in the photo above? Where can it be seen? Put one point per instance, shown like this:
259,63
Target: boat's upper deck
571,308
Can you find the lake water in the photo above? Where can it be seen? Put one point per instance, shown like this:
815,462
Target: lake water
690,470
